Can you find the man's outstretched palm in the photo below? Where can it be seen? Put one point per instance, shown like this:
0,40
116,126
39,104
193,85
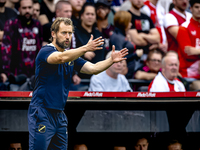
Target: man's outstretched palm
118,55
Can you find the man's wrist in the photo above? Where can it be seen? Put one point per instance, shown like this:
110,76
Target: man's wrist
84,48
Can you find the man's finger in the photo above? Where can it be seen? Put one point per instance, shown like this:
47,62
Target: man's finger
97,39
124,50
124,54
91,37
98,48
113,48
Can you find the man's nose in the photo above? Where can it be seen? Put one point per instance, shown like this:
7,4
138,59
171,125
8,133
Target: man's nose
67,35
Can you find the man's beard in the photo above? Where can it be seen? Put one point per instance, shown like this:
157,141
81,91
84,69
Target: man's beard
181,9
136,7
2,4
62,44
104,18
26,19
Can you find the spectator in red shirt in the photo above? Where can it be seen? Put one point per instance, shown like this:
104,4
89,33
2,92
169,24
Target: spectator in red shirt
173,20
166,81
188,38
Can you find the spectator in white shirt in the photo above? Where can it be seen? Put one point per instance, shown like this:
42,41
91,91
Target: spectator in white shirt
110,80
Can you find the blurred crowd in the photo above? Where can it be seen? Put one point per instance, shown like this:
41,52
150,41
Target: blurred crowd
162,36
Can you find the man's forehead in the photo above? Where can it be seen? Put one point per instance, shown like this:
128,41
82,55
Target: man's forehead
89,9
142,141
64,27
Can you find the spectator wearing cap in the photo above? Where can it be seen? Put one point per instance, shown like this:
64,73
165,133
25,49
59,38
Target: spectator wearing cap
102,11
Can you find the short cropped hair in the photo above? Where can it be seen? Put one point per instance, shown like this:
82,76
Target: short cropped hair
122,19
56,24
60,3
170,52
22,0
192,2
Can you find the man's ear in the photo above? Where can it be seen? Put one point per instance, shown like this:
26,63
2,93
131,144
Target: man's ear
53,34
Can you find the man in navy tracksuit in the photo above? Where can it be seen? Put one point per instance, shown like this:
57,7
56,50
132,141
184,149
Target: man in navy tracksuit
54,70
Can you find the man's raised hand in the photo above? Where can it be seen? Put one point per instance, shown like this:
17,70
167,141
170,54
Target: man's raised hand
93,45
118,55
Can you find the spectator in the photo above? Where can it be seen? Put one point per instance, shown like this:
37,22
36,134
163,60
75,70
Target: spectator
168,77
152,67
156,12
15,146
76,8
12,4
150,70
141,144
47,11
21,42
174,145
143,32
5,14
102,11
80,147
36,9
188,40
122,22
110,80
166,81
173,20
85,29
